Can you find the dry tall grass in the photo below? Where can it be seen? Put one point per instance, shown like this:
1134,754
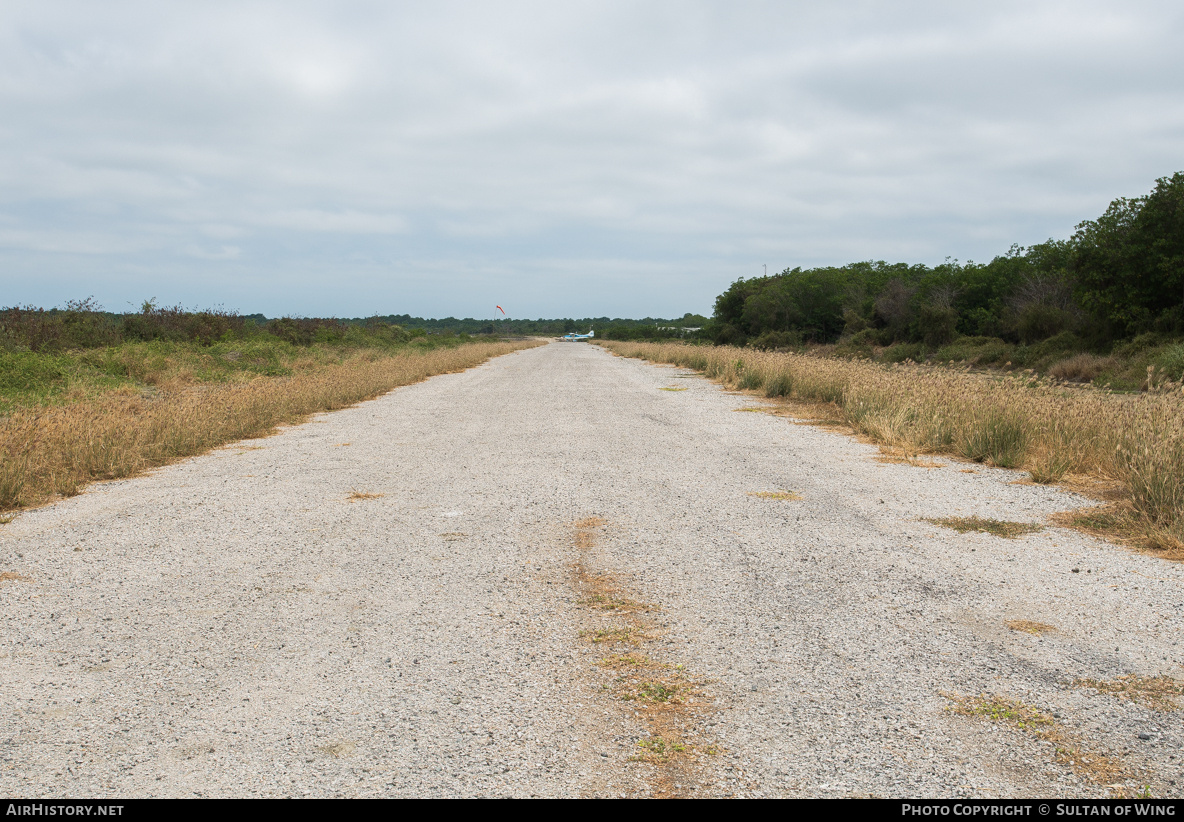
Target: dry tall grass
1045,427
50,451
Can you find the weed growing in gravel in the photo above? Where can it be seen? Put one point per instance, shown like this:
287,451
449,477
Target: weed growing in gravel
1016,420
1096,767
659,749
670,705
338,750
7,518
999,709
13,576
627,633
782,495
1028,627
672,388
356,495
1158,692
609,602
625,661
998,527
653,692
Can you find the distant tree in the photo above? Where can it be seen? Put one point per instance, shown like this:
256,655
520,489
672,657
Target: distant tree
938,318
1043,306
894,307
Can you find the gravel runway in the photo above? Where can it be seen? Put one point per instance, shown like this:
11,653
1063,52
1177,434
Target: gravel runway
394,600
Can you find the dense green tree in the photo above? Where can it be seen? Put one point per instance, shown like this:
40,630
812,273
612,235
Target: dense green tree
1129,263
1126,269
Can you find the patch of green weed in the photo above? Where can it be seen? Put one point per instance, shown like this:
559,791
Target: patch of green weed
998,527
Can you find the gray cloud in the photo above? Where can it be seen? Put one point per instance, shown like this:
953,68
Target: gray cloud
559,159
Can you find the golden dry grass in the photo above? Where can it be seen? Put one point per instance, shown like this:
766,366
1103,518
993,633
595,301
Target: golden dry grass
356,495
621,633
1080,367
1045,427
625,661
45,452
896,456
611,602
1158,692
659,749
781,495
1027,626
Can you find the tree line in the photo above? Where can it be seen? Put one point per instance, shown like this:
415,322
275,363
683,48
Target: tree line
1117,277
83,324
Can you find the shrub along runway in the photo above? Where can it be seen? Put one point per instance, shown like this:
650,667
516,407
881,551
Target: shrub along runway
548,576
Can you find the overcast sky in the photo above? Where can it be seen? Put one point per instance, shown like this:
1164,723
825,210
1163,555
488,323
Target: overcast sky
557,158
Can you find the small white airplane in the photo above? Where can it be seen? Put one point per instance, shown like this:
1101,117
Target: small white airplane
573,337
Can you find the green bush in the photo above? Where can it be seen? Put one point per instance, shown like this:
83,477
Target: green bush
996,439
1171,361
937,324
779,384
1140,344
26,371
1043,354
85,326
1039,322
860,345
750,379
976,350
777,341
904,351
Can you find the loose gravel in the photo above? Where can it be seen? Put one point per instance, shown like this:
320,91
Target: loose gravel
382,602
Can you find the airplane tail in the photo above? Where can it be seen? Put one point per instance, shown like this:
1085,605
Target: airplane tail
591,332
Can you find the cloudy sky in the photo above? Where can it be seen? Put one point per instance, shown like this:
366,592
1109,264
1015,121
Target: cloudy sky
559,158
